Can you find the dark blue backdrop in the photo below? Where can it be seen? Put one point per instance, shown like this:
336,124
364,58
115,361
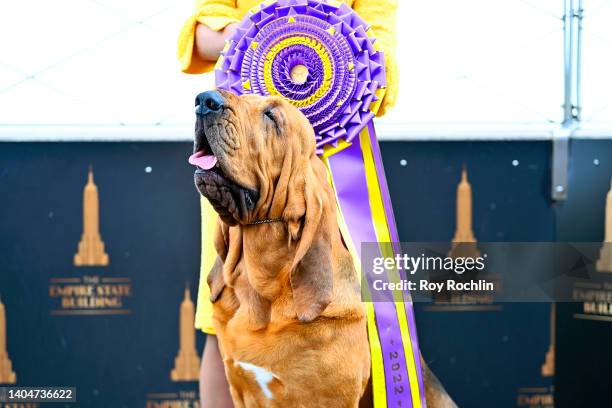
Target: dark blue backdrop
150,225
482,357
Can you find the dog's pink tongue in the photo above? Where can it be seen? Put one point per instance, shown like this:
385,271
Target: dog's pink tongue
204,161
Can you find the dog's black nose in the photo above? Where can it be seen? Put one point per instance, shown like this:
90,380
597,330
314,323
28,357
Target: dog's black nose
208,102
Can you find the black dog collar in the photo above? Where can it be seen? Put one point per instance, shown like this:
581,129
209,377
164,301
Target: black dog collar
267,221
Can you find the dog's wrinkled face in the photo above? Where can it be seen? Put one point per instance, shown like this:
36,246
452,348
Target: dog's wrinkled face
241,146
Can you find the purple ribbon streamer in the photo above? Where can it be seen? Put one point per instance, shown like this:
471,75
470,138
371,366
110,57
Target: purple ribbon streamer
348,172
386,197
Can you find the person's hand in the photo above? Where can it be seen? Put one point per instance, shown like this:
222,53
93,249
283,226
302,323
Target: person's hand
209,43
229,30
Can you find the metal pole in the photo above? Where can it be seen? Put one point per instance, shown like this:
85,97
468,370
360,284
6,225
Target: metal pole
568,6
572,55
578,62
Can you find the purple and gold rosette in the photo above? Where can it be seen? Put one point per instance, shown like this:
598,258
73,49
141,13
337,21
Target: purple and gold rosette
345,74
323,58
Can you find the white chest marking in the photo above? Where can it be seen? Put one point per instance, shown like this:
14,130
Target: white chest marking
262,376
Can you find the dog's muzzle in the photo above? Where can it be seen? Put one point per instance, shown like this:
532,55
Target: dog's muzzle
209,105
232,202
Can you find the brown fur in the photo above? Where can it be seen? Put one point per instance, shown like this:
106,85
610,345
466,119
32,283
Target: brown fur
286,295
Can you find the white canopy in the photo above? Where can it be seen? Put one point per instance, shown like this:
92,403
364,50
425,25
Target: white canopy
482,63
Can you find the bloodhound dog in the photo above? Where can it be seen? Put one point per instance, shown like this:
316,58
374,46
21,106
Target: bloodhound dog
286,300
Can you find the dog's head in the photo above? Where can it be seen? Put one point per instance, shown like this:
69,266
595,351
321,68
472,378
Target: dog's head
256,160
243,145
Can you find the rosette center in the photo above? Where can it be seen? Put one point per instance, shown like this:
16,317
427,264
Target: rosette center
299,74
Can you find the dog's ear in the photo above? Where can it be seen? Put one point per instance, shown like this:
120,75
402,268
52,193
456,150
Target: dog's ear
311,281
311,270
221,239
295,193
215,280
228,244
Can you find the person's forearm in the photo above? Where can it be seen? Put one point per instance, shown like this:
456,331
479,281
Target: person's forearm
209,43
214,389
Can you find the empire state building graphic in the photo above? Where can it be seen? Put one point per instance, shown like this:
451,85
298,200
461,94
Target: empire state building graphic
91,247
548,368
464,241
604,263
187,361
7,375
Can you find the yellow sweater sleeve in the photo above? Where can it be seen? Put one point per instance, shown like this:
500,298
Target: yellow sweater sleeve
203,318
381,16
216,14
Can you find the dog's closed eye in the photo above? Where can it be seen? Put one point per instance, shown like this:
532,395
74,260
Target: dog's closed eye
270,114
270,117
